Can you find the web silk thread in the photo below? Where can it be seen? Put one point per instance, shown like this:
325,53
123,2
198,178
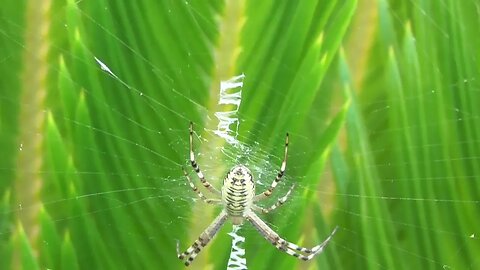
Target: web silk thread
230,95
236,261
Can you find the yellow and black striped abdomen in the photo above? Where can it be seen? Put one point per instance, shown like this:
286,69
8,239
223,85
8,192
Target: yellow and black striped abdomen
237,193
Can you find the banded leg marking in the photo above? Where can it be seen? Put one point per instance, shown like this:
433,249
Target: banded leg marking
277,179
196,168
283,245
198,192
279,202
192,251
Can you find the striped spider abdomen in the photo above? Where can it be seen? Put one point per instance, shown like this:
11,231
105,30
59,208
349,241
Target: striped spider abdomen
238,191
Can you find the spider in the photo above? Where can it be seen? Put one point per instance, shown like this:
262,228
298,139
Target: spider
238,199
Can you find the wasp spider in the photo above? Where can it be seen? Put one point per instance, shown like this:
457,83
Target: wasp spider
238,199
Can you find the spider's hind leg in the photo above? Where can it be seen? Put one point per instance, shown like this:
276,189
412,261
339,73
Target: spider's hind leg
202,241
282,244
311,252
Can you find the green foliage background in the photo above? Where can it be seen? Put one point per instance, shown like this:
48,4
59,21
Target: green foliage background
380,98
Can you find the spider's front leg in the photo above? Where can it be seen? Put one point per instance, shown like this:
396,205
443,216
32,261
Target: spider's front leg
277,179
189,255
196,168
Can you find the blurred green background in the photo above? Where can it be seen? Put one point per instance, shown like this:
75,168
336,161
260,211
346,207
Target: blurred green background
380,99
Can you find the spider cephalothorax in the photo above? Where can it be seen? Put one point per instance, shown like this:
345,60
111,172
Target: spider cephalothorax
238,198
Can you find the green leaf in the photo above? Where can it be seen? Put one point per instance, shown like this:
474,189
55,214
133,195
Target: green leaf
380,101
23,257
68,257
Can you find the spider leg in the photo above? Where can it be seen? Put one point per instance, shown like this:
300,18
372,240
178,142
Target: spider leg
192,251
282,244
199,193
279,202
277,179
196,168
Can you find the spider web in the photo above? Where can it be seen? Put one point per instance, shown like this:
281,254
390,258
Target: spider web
215,159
